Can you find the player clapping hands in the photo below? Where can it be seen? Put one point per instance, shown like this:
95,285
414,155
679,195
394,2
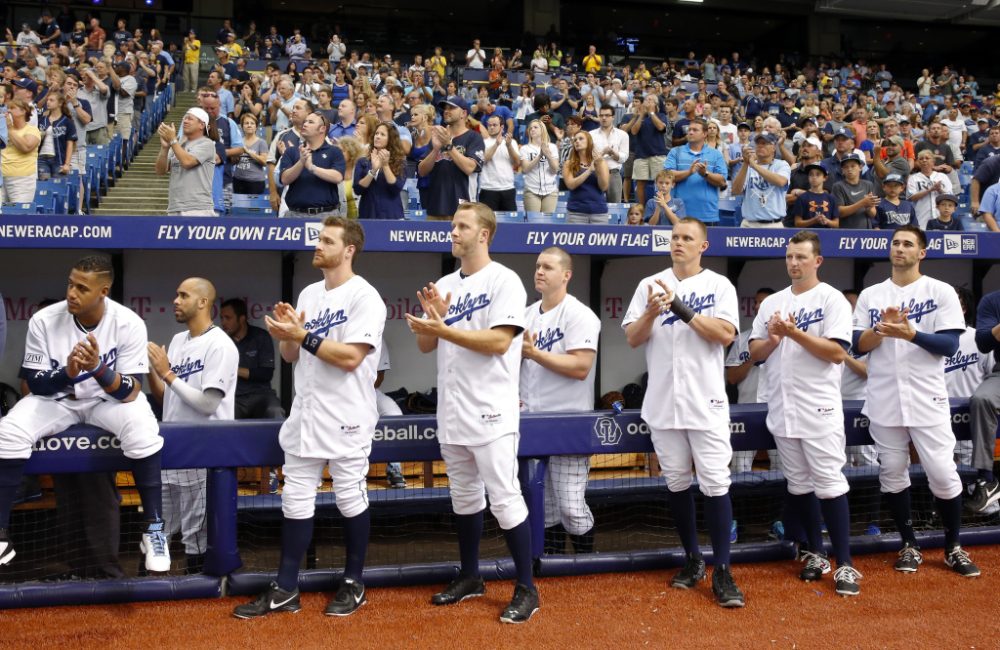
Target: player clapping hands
435,307
895,323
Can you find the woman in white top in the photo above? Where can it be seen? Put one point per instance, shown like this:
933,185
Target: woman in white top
539,63
923,187
540,167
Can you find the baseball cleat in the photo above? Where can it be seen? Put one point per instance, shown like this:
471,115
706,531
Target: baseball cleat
958,561
275,599
733,532
6,547
522,606
460,588
727,594
983,495
846,580
909,559
691,574
155,546
817,566
873,530
350,597
394,476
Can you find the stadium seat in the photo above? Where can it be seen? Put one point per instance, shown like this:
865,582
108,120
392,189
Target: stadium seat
415,215
251,205
510,217
18,208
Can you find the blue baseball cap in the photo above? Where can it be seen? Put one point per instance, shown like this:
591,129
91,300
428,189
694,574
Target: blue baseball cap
454,101
946,197
769,138
894,178
844,132
27,84
851,157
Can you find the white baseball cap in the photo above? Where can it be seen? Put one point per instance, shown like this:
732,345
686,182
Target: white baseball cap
199,114
814,141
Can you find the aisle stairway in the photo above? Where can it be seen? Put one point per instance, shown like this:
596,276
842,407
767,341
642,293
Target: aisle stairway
140,192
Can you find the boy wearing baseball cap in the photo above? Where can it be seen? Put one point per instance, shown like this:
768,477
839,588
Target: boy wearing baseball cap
946,204
892,210
816,208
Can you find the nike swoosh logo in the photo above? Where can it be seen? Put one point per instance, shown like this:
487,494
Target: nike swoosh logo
275,605
857,193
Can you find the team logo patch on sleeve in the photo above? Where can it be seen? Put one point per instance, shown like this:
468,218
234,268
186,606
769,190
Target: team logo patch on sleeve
33,358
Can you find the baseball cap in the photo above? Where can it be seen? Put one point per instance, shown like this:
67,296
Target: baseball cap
769,138
818,167
814,141
894,178
807,120
983,119
851,157
946,197
199,114
844,133
27,84
744,125
904,120
896,140
454,101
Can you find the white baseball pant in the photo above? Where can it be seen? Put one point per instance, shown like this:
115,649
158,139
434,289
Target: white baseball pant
935,446
302,475
814,465
709,450
474,471
565,492
184,507
34,418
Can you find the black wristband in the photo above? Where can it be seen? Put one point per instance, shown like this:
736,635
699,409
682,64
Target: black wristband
681,311
311,343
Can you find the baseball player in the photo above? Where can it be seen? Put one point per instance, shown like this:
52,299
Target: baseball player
852,387
195,381
333,336
686,316
557,374
83,361
474,318
983,407
964,372
909,324
803,333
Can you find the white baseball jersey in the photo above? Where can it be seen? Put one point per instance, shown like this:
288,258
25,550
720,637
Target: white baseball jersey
803,390
571,325
906,385
966,369
210,360
383,359
687,386
121,339
751,389
334,413
851,385
477,393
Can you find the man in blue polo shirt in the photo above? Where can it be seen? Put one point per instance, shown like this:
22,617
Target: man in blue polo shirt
699,172
312,171
456,154
762,181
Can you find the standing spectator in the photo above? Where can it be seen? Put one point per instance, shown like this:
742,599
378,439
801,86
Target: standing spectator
593,62
586,177
500,161
815,207
20,158
190,163
96,92
346,121
281,104
648,125
552,121
856,196
79,110
379,177
56,154
936,141
887,156
476,57
540,168
25,89
354,149
957,134
924,186
192,58
290,137
249,173
312,171
336,50
699,173
894,211
456,154
340,89
295,47
991,147
126,85
228,139
763,180
612,145
97,36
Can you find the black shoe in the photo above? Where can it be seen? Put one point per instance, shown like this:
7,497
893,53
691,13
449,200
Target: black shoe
394,477
522,606
816,566
692,573
983,494
959,562
350,596
583,543
555,540
909,559
845,579
6,548
460,588
274,599
195,564
727,594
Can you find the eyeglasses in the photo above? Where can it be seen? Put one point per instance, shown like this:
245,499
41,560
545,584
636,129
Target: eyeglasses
208,94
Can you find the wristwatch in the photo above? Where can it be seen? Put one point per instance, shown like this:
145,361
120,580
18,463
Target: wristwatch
173,142
448,147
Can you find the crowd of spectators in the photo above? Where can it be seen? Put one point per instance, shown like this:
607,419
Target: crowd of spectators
543,133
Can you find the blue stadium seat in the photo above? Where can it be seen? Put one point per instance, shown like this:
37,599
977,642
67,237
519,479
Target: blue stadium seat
18,208
510,217
251,205
415,215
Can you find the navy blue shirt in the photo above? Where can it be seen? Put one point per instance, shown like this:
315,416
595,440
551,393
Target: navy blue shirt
810,204
988,317
448,184
889,216
587,198
649,141
380,200
936,224
257,356
63,131
309,190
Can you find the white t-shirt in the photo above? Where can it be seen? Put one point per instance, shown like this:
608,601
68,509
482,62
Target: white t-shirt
804,399
473,61
906,386
334,413
617,140
121,340
209,361
478,398
569,326
498,172
964,371
687,386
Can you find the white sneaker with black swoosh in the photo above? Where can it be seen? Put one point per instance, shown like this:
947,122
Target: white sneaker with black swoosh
350,596
275,599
